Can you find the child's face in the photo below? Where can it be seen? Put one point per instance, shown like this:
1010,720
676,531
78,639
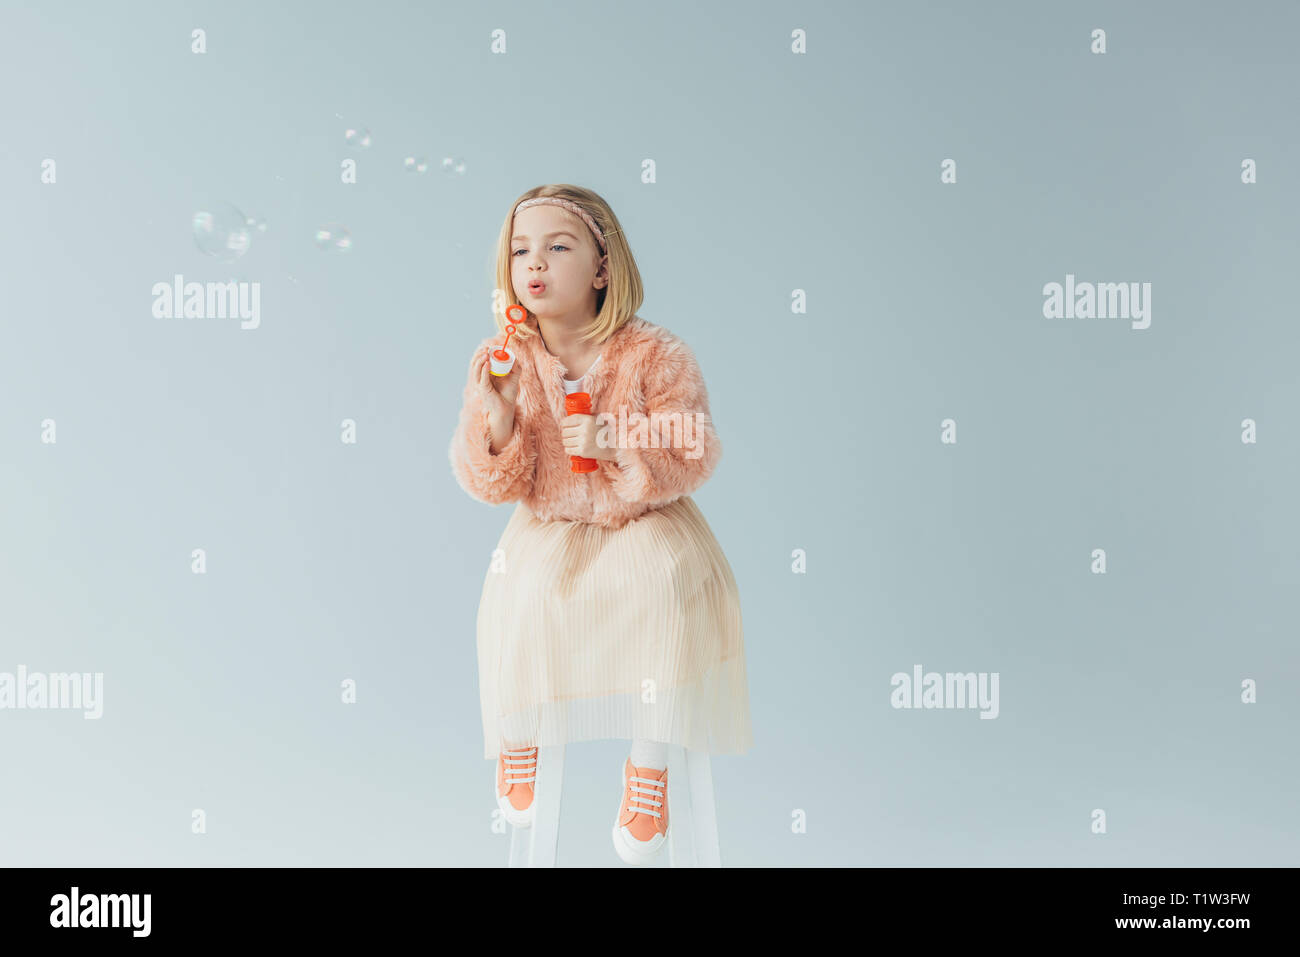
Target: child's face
553,246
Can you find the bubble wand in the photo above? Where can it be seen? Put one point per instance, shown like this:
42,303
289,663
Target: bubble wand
503,360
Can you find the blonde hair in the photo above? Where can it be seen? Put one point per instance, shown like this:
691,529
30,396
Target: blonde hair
622,296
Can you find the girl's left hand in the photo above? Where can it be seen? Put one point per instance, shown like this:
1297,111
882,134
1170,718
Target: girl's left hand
579,435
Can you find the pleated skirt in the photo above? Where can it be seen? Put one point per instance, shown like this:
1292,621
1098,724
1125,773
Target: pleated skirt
587,632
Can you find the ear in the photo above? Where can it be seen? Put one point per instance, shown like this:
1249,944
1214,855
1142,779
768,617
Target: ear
602,274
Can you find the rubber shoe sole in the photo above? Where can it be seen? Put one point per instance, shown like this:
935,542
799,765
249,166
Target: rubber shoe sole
629,849
516,817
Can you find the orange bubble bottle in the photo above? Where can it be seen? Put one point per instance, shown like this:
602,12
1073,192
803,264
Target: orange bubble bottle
579,403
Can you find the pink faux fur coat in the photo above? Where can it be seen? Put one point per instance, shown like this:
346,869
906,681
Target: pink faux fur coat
643,368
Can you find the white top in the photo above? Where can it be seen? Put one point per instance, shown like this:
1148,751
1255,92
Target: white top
575,385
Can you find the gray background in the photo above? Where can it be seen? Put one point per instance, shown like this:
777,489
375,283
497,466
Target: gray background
775,172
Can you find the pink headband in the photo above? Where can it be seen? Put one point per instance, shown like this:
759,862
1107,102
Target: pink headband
571,207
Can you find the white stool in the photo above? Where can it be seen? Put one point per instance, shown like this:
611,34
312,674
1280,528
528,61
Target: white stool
692,817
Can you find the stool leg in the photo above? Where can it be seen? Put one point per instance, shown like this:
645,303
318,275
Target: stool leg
519,846
546,817
692,815
535,846
681,825
703,811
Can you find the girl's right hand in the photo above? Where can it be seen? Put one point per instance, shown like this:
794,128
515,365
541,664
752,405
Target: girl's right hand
499,392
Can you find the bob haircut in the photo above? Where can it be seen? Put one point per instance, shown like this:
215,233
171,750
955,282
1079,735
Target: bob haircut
622,296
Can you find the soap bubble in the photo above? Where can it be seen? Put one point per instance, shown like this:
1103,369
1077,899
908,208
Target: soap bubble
334,237
255,223
358,139
221,230
452,165
416,164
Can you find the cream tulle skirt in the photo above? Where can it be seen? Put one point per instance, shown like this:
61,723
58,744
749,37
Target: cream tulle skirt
586,632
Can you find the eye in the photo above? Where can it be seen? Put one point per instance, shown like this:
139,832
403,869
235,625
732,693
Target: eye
524,249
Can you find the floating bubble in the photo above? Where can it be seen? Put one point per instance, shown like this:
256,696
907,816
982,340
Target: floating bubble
417,164
221,230
452,165
357,139
255,223
334,237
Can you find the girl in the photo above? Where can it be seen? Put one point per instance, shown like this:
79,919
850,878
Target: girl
609,610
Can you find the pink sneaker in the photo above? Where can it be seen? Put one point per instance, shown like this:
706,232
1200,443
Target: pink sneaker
516,774
642,823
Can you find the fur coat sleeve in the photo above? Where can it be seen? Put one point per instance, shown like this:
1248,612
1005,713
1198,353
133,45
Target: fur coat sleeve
675,398
494,478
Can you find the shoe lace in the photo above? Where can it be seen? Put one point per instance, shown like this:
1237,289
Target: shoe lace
527,757
657,790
